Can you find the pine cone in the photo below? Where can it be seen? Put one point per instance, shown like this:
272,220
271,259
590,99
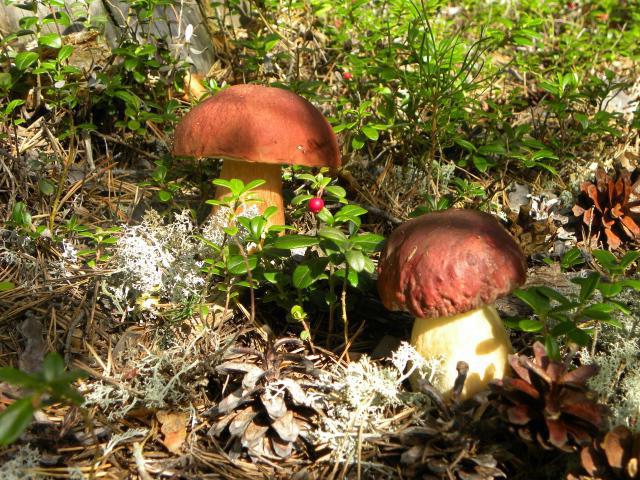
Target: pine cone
610,207
445,450
548,403
614,457
449,446
268,413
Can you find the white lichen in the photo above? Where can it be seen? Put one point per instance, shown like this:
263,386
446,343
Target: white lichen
159,258
164,260
150,380
20,465
123,438
360,397
618,379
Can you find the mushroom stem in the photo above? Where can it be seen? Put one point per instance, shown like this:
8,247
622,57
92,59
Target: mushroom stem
477,337
266,195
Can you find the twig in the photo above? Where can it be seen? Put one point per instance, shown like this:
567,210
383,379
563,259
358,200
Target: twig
139,458
382,213
462,368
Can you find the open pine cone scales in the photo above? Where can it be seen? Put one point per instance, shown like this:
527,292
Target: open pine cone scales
268,412
614,457
444,451
549,404
610,207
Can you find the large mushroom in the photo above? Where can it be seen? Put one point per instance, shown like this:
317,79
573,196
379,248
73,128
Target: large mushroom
255,129
447,268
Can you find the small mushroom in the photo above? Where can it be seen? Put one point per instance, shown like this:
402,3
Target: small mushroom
448,268
255,129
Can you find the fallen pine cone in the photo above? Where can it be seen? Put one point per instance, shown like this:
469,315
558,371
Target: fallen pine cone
549,404
451,446
268,413
611,208
616,456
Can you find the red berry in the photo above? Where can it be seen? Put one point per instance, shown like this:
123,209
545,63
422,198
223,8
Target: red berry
347,76
316,204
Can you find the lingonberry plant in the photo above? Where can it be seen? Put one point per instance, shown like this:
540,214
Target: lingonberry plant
577,317
52,384
336,255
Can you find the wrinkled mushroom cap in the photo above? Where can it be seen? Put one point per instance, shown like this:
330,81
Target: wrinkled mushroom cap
448,262
258,124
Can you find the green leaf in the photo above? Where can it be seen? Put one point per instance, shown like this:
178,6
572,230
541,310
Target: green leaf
371,133
579,336
269,211
552,294
530,325
531,297
609,289
6,285
481,163
164,195
606,259
18,378
20,215
599,311
256,227
307,273
572,258
465,144
15,419
325,216
237,186
289,242
336,191
25,59
628,258
52,366
355,259
52,40
128,98
357,143
368,242
630,283
299,199
333,234
46,187
12,105
5,81
65,52
221,182
563,328
551,345
350,212
369,266
307,177
352,276
237,265
253,184
587,285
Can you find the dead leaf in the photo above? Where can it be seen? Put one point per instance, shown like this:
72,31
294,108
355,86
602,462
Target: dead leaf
173,426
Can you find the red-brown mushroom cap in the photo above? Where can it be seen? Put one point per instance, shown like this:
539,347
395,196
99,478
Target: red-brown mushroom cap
444,263
258,124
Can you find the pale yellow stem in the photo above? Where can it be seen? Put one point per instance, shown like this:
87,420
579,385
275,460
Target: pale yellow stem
478,337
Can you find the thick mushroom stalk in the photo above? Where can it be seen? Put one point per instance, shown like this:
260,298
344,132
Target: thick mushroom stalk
477,337
256,129
448,268
259,198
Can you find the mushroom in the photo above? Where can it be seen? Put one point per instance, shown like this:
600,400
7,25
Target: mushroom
447,268
255,129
